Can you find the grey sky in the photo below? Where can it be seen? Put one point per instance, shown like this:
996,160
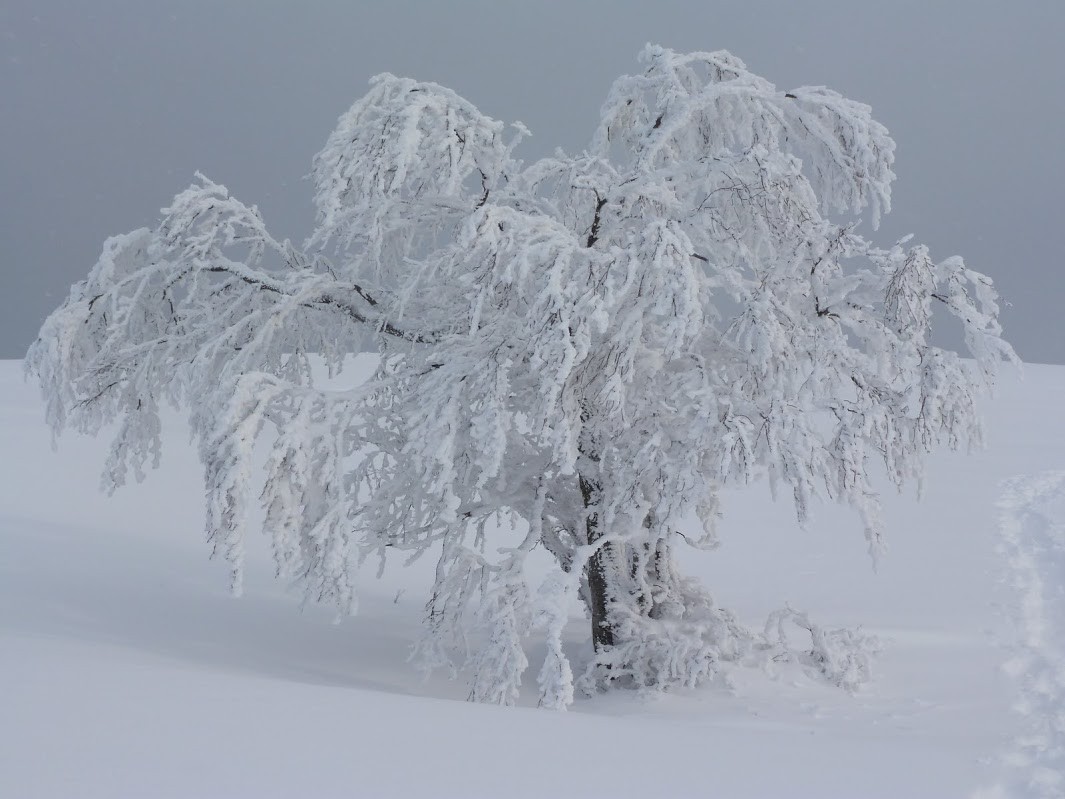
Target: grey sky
107,108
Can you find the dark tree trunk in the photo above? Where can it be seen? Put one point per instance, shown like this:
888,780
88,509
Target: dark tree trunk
597,570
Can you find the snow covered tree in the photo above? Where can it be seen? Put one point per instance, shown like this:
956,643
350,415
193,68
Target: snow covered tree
575,355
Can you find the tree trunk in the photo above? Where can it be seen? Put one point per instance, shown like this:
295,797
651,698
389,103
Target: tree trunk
597,570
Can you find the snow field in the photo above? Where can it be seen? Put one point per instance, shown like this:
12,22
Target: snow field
129,671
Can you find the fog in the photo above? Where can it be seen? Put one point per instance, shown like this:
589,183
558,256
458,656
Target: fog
109,108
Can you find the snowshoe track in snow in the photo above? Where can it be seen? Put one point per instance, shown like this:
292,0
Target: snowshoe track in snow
1033,542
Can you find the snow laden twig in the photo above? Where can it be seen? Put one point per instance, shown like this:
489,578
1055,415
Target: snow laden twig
841,656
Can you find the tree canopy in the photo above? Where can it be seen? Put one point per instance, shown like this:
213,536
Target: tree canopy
575,355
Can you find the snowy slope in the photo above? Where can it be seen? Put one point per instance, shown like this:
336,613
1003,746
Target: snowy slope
127,670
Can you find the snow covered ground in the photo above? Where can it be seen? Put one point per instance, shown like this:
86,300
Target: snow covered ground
127,670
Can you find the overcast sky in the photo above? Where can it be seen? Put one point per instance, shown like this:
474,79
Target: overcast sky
107,108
